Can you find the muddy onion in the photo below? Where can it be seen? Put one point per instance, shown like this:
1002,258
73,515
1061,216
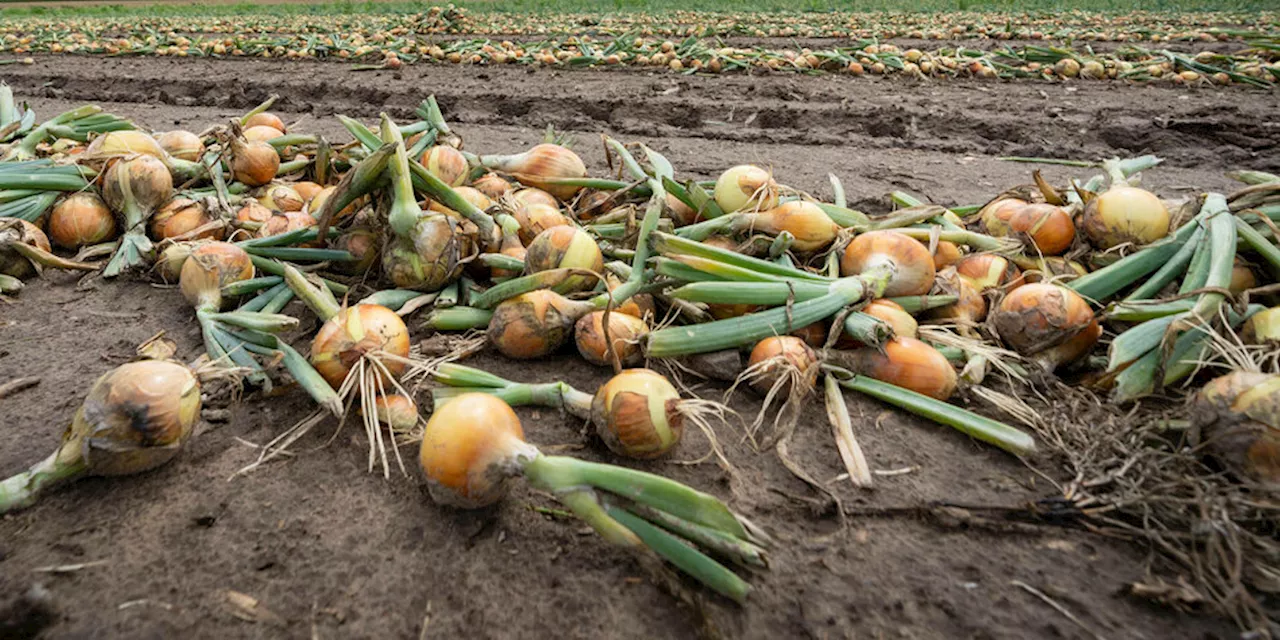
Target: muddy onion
970,307
469,448
1123,215
210,267
1052,324
772,360
365,330
13,263
180,216
1236,417
904,362
746,188
912,265
81,219
254,163
447,164
637,414
565,247
625,332
534,324
537,165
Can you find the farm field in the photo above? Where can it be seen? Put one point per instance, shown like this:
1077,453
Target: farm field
1117,525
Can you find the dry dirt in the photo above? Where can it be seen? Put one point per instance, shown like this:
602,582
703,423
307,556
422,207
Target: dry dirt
337,552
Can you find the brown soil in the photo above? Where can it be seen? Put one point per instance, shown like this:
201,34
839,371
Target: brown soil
335,551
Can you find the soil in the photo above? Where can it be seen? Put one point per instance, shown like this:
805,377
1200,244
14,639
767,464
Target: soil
334,551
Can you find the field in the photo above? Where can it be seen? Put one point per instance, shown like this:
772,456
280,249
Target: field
957,538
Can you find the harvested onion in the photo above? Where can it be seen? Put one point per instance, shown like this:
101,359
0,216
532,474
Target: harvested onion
13,263
124,143
363,245
781,361
430,258
911,265
81,219
625,333
1048,227
181,216
208,269
904,362
492,185
804,220
637,414
746,188
265,119
261,133
536,218
1125,214
447,164
365,330
541,166
989,271
182,145
281,197
565,247
534,324
1237,418
1051,324
254,163
970,307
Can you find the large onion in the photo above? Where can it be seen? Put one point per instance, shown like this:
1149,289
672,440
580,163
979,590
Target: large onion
1125,214
254,163
540,166
909,261
468,449
1051,324
565,247
625,332
746,188
804,220
534,324
124,143
81,219
365,330
637,414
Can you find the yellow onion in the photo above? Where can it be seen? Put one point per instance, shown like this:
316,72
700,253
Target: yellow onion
431,258
171,260
625,332
316,203
265,119
1052,324
565,247
307,190
970,307
492,185
254,163
365,330
397,411
539,166
888,312
447,164
470,194
285,222
80,219
511,247
361,243
1236,419
182,145
530,195
13,263
534,324
639,305
806,221
637,414
281,197
208,269
261,133
1047,226
904,362
680,213
1123,215
536,218
909,261
777,359
180,216
1263,327
468,448
746,188
125,143
989,271
814,335
141,181
945,255
253,211
1242,278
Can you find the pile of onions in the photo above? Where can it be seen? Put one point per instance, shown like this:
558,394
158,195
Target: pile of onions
81,219
746,188
431,258
182,145
780,362
534,324
281,197
904,362
1047,226
540,167
1124,215
625,332
1237,419
565,247
536,217
1053,325
911,265
253,163
447,164
209,268
13,263
365,330
637,414
181,216
136,417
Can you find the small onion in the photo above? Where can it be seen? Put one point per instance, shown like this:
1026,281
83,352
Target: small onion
1242,278
316,203
989,271
1123,215
182,145
637,414
969,309
492,185
565,247
746,188
536,218
361,243
265,119
904,362
180,216
1263,328
910,263
1236,419
1052,324
946,254
208,269
13,263
538,166
680,213
365,330
81,219
774,357
592,204
468,449
254,163
262,133
285,222
281,197
625,332
396,411
447,164
534,324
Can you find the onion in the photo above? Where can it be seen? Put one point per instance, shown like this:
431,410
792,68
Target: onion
970,307
639,305
285,222
904,362
531,195
814,335
317,203
253,211
447,164
1052,324
592,204
726,311
536,166
361,243
888,312
1242,278
281,197
565,248
81,219
307,191
989,271
1263,328
208,269
124,143
534,324
625,332
910,262
637,414
492,185
995,215
265,119
261,133
1035,269
142,182
180,216
13,263
1123,215
430,258
536,218
1237,418
254,163
510,247
806,221
746,188
396,411
469,448
776,359
945,255
365,330
680,213
171,260
1048,226
182,145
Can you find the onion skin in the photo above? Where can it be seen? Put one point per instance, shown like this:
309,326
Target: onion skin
317,203
536,218
447,164
266,119
1050,323
680,213
1123,215
182,145
773,356
534,324
1263,327
1049,227
1236,418
281,197
396,411
543,161
913,270
253,211
431,259
812,229
254,163
905,362
357,332
11,262
946,254
969,308
81,219
140,181
470,194
591,204
261,133
625,331
171,260
307,190
493,186
636,413
889,312
746,188
361,243
995,215
987,271
210,267
565,247
469,449
179,217
286,221
531,195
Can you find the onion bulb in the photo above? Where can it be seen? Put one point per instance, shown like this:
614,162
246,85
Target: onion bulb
447,164
265,119
365,330
142,183
1242,278
307,190
81,219
281,197
539,166
987,271
531,195
1263,327
637,414
125,143
180,216
470,194
262,133
512,248
1125,214
534,324
1236,418
208,269
625,332
254,163
253,211
746,188
470,449
909,260
397,411
639,305
1047,226
804,220
536,218
492,185
780,360
13,263
970,307
565,247
946,254
904,362
171,260
889,312
316,203
182,145
430,258
361,243
1051,324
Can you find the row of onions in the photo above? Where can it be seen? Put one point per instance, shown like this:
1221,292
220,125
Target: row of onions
403,231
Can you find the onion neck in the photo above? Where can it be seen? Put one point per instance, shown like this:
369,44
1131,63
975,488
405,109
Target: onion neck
21,490
509,163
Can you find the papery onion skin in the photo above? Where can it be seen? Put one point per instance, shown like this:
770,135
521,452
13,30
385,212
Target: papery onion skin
532,195
1235,419
307,190
364,245
281,197
253,211
772,357
81,219
569,248
945,255
905,362
1123,215
625,332
1048,226
357,332
468,450
913,269
431,258
261,133
989,271
534,324
447,164
210,267
143,181
493,186
637,415
1051,323
124,143
171,260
